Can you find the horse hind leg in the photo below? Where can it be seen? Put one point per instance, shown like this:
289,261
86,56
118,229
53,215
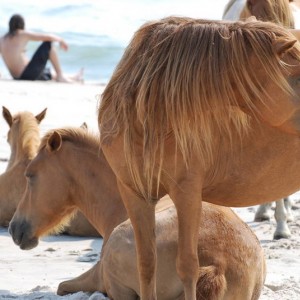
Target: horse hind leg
288,203
282,229
263,212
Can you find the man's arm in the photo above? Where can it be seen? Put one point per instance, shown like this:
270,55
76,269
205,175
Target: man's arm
34,36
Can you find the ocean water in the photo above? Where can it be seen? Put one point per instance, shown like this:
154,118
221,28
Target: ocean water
97,31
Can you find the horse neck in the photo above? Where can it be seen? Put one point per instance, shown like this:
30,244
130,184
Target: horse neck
9,197
96,193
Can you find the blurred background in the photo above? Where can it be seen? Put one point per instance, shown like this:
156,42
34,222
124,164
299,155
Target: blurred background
97,31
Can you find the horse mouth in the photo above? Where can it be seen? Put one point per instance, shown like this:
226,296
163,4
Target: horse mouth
21,235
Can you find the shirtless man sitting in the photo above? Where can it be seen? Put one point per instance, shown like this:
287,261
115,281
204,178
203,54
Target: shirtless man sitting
13,47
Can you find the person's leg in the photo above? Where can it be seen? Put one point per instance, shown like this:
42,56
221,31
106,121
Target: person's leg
35,70
53,57
45,75
37,63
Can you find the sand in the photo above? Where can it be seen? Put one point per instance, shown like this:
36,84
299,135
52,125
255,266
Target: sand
35,274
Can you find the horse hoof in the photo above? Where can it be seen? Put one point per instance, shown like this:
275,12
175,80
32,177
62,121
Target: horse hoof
290,218
262,217
278,236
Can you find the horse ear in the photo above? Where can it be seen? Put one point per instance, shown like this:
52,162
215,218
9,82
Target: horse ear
41,115
281,46
84,126
252,2
54,142
7,116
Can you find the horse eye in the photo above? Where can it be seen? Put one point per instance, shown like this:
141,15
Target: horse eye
295,82
29,175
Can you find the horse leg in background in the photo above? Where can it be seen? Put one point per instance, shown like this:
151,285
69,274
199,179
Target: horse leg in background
288,203
263,212
142,217
282,229
188,206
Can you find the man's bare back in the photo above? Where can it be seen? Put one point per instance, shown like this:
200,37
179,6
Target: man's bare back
13,53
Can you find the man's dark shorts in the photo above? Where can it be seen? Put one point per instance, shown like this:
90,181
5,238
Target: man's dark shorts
36,69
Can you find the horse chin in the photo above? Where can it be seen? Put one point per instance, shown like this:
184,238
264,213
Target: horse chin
29,244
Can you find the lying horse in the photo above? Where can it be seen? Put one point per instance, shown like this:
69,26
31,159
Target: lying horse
227,265
24,139
203,111
280,12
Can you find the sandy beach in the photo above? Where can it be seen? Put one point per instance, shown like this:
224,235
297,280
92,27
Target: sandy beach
35,274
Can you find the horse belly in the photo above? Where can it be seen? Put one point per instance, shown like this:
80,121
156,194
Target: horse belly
252,190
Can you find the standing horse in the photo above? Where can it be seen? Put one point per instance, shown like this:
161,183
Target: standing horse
280,12
203,111
224,272
24,139
276,11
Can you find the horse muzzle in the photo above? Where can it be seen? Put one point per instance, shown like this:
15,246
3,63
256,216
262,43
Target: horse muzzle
21,234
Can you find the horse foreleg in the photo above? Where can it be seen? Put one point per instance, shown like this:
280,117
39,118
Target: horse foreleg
282,229
188,206
87,282
142,216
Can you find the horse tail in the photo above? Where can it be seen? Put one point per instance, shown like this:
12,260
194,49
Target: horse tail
211,283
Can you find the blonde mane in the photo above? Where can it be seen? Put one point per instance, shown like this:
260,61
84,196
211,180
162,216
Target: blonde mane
176,77
76,135
29,133
62,224
276,11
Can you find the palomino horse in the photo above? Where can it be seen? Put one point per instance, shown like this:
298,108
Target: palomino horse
203,111
224,273
280,12
24,139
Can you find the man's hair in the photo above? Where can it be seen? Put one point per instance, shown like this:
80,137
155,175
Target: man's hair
16,22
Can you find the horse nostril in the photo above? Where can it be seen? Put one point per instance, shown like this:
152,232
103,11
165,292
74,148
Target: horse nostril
14,232
11,228
17,230
22,234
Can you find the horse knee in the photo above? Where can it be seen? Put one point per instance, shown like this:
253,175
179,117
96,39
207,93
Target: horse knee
188,269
